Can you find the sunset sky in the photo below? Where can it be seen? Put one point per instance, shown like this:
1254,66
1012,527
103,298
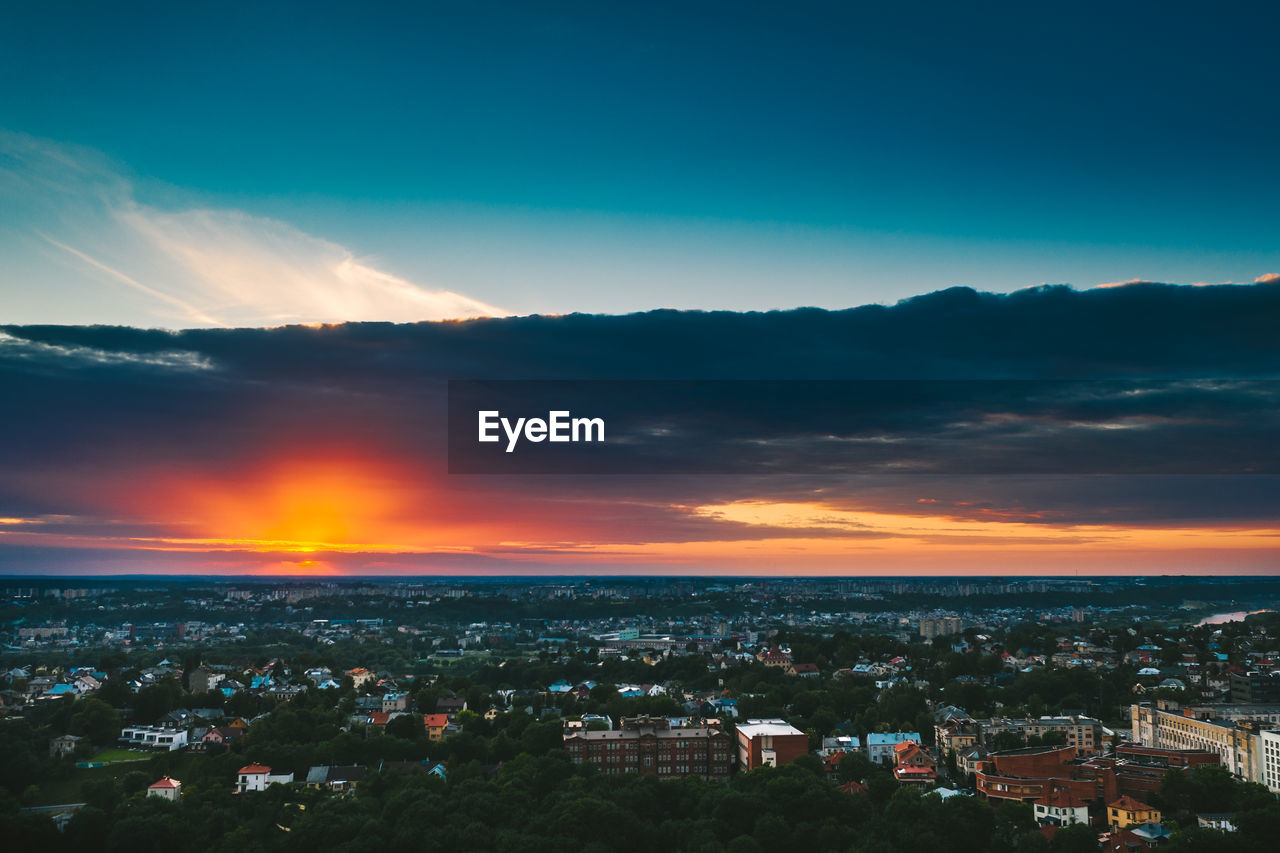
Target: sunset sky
246,248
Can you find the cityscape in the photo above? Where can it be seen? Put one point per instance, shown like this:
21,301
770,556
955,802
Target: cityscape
1131,714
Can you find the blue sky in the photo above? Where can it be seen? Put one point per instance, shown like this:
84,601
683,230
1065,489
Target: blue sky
561,157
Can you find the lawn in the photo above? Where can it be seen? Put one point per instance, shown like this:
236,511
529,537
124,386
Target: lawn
112,756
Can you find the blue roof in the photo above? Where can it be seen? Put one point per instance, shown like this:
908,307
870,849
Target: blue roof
892,739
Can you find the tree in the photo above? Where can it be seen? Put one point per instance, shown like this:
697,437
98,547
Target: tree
95,720
406,726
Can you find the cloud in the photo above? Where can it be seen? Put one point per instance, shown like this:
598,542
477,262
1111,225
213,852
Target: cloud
189,265
334,436
1267,278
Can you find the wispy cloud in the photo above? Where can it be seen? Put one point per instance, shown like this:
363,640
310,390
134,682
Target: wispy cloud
20,348
1267,278
189,264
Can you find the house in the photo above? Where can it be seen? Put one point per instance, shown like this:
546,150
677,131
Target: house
804,670
435,724
406,768
913,765
165,789
1060,808
454,705
922,776
970,760
257,777
880,746
1140,839
377,720
360,676
335,778
204,680
774,657
1221,821
224,735
840,743
64,745
1127,812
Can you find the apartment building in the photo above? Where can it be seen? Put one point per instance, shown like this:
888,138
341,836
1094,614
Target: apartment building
650,746
1231,731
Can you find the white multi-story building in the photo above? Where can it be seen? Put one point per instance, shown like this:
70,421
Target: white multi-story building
1269,753
154,737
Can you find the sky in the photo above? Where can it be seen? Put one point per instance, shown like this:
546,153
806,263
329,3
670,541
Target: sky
177,165
984,191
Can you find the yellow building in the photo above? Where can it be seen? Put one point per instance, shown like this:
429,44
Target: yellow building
1126,812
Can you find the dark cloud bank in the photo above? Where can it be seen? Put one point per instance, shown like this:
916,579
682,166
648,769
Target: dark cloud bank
84,405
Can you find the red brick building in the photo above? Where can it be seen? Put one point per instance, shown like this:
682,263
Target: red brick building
1032,773
774,743
649,746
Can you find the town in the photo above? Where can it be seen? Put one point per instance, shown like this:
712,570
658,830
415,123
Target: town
1118,714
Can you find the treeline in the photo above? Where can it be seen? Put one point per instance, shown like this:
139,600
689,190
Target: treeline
543,803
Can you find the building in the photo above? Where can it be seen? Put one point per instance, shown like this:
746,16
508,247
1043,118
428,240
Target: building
1232,731
1084,733
1269,755
153,737
1255,688
64,745
649,746
1034,772
435,724
222,735
257,777
840,743
337,779
1060,808
1221,821
204,680
1127,812
775,657
772,743
165,789
1140,770
944,626
880,746
360,676
956,734
913,765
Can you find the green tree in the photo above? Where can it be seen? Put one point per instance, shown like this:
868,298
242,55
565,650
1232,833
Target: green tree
95,720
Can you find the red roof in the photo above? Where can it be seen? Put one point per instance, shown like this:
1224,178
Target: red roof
1129,804
253,768
922,772
379,718
853,788
166,782
435,721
